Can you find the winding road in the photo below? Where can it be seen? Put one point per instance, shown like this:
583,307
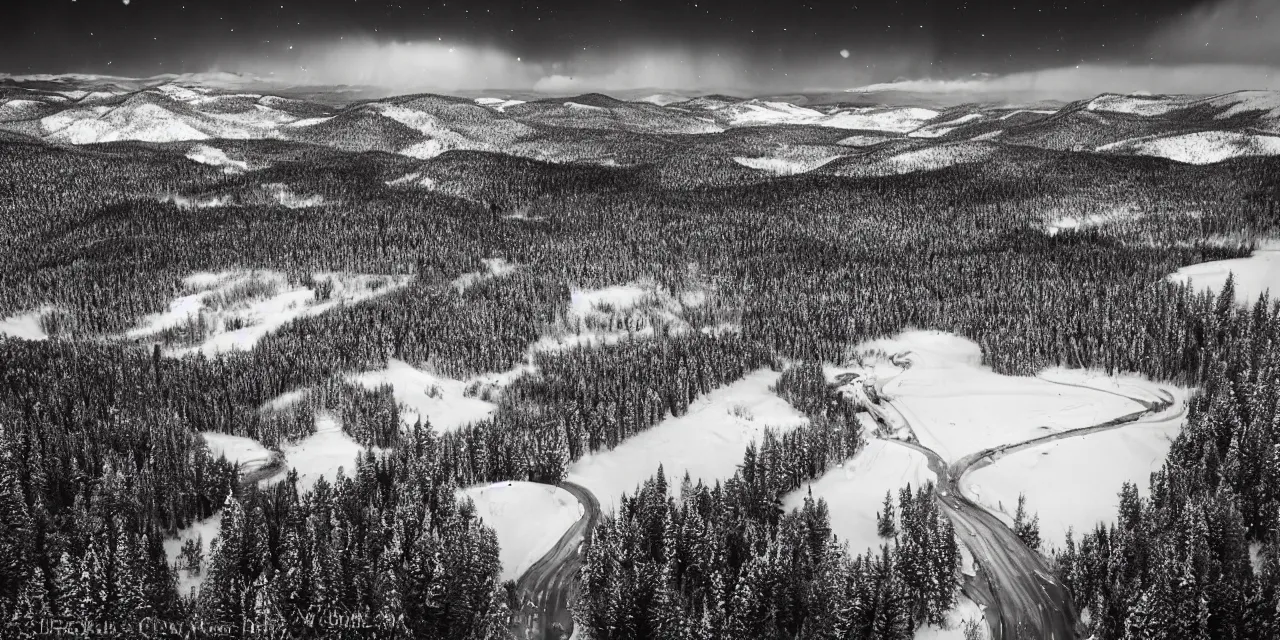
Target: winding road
549,588
1014,583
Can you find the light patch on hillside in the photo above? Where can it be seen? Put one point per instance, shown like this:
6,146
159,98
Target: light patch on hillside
287,198
529,518
205,154
965,610
493,268
893,119
862,141
931,158
498,104
956,406
1043,112
26,326
233,310
19,109
309,122
855,490
1203,147
1253,275
1138,105
1263,103
759,112
443,402
1077,222
145,123
943,128
708,441
784,166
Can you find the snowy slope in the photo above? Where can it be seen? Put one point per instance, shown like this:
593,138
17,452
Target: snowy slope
246,453
1138,105
25,326
529,518
1253,275
1204,147
441,401
708,441
320,454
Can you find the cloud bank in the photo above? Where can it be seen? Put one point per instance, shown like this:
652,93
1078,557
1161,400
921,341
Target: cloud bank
1238,31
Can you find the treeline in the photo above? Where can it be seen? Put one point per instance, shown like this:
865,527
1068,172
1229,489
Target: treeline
1178,563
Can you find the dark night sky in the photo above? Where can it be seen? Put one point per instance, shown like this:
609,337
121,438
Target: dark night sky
768,43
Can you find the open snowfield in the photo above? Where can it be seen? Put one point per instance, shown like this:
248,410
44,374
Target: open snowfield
247,453
1138,105
436,399
493,268
964,610
957,406
528,518
320,454
784,166
237,308
1253,275
855,490
940,129
24,325
708,441
1202,147
1073,483
205,154
891,119
204,530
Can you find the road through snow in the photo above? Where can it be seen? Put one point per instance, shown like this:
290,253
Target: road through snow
1013,582
548,589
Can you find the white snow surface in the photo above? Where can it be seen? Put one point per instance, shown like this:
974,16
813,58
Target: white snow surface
1138,105
965,609
1266,103
146,123
583,302
957,406
206,530
783,166
893,119
25,325
260,314
862,141
708,441
1203,147
1073,483
940,129
248,454
320,454
855,490
493,268
931,158
1253,275
498,104
205,154
433,398
529,518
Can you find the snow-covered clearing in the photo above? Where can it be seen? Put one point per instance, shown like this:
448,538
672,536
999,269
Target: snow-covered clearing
1264,103
784,166
930,158
862,141
320,454
204,154
1073,222
609,315
25,325
1074,482
205,531
233,310
760,112
529,518
708,442
498,104
1203,147
414,179
965,610
145,122
436,399
1253,275
248,454
855,490
957,406
493,268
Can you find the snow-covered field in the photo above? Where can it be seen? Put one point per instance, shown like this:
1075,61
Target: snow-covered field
1138,105
436,399
1073,483
1253,275
855,490
940,129
529,518
205,154
965,610
320,454
247,453
891,119
24,325
931,158
1203,147
956,406
493,268
708,441
204,530
233,310
784,166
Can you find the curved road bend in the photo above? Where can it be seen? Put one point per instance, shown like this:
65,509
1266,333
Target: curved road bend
548,588
1013,582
